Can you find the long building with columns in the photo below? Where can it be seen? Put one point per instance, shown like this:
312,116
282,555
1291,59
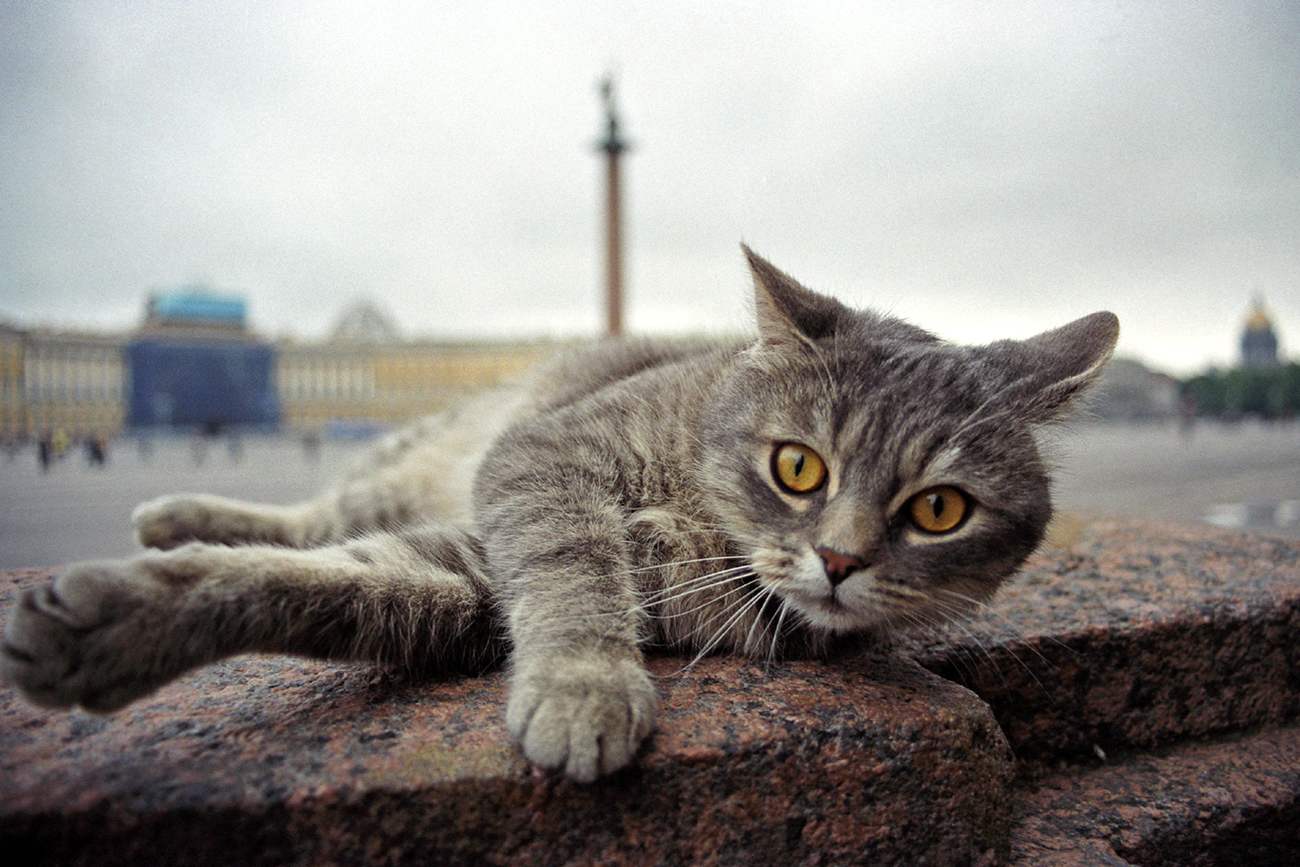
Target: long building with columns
56,380
193,363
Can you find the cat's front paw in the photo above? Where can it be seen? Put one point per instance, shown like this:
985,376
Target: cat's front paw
167,522
586,715
75,639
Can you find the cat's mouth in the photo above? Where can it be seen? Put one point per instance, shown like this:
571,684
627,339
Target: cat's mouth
828,612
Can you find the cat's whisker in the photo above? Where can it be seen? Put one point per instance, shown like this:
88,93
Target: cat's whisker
766,593
953,619
827,378
667,564
783,609
977,417
718,636
694,583
723,612
967,627
729,616
968,659
670,595
697,585
1016,630
945,626
933,614
707,603
670,564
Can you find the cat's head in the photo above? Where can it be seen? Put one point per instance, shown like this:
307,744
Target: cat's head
876,475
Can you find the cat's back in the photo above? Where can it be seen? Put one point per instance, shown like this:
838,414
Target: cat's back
584,370
431,463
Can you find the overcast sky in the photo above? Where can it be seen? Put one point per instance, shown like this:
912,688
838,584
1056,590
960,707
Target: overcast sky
983,169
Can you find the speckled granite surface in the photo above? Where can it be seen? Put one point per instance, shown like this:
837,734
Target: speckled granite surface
1231,802
274,761
1137,643
1136,635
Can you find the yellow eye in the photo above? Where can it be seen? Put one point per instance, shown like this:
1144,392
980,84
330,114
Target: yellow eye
798,469
938,510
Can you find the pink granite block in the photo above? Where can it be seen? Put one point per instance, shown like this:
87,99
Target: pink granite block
1138,634
861,760
1197,805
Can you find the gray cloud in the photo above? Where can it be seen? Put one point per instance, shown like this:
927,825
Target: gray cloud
983,170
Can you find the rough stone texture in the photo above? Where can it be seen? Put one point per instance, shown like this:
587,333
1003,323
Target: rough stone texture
1136,635
864,760
1202,804
1145,675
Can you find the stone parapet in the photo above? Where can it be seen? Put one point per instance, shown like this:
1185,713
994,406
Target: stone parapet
1127,700
1135,635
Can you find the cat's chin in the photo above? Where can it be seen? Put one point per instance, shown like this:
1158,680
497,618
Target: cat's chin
829,614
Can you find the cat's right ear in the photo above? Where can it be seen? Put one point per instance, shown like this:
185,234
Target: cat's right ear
1055,367
786,311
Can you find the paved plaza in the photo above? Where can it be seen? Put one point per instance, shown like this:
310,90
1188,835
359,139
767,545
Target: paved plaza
1244,476
76,511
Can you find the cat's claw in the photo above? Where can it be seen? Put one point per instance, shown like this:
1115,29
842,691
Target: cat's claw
68,641
586,716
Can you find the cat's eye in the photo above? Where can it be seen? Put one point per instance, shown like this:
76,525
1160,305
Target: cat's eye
939,509
798,469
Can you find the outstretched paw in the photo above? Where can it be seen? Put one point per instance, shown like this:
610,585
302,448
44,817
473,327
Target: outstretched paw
586,715
167,522
80,639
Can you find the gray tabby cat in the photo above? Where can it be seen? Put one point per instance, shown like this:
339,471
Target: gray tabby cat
845,473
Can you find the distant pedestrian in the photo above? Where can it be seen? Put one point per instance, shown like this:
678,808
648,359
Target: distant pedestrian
59,444
45,451
96,450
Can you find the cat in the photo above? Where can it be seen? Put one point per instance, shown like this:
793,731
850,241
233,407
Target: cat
844,473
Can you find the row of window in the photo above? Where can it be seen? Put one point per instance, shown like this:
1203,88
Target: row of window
83,383
74,377
325,381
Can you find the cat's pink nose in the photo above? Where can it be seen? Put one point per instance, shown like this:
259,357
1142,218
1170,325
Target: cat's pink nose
839,566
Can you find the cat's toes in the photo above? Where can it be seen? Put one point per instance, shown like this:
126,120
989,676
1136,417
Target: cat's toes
171,521
583,716
58,647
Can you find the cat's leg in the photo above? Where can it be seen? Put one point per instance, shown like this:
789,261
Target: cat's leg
412,480
104,633
174,520
580,700
384,499
419,472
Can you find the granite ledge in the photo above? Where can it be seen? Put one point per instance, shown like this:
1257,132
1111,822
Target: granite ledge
1135,635
1200,804
1169,650
870,760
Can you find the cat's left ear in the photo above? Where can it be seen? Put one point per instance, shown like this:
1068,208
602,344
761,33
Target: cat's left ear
1051,370
787,312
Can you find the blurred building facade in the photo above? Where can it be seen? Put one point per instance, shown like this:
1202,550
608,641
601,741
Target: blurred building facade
194,364
57,380
1130,391
12,403
366,374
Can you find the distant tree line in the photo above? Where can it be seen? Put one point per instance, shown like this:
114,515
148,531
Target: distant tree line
1270,393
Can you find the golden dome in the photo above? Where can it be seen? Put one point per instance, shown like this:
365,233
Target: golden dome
1258,320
